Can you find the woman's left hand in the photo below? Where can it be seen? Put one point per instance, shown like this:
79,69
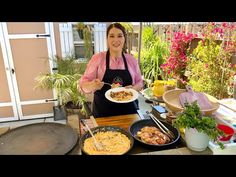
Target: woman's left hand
133,87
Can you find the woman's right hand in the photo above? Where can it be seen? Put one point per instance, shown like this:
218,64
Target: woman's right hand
92,86
96,84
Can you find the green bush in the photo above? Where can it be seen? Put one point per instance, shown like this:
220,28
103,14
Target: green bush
64,81
210,65
154,53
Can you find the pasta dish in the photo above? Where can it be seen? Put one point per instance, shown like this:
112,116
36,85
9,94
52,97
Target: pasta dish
115,85
113,143
121,96
152,135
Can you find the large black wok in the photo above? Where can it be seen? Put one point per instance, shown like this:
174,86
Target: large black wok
39,139
138,125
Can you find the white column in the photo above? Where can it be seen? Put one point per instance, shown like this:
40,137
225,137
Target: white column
235,87
66,38
100,43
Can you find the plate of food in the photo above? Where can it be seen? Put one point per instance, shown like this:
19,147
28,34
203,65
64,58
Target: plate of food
121,95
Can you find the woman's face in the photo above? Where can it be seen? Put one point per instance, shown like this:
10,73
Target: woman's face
115,40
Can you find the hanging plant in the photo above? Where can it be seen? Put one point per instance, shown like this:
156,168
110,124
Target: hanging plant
80,29
85,33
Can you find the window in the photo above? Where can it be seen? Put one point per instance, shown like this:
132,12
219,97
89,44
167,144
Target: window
80,51
79,44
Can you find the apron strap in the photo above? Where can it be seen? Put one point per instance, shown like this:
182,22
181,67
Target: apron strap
125,62
108,61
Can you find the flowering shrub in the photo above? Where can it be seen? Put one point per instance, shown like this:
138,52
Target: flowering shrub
210,66
177,62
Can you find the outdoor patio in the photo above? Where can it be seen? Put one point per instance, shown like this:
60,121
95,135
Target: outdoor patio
171,56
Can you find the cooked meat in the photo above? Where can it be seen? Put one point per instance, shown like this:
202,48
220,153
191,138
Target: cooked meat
152,135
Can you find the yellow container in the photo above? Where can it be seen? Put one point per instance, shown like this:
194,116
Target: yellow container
158,88
170,84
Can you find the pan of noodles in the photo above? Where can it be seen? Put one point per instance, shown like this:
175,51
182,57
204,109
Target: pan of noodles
113,141
147,133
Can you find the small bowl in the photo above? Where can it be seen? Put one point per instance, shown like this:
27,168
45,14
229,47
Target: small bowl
229,132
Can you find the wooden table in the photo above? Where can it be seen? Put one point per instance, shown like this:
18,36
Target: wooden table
122,121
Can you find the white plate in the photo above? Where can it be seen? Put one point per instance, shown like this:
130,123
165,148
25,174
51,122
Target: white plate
118,89
147,93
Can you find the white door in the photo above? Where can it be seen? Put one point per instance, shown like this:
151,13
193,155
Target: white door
25,52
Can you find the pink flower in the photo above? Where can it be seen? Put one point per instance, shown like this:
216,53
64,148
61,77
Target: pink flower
176,63
224,25
231,27
218,30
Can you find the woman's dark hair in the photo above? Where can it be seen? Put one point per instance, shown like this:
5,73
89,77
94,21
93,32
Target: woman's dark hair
120,27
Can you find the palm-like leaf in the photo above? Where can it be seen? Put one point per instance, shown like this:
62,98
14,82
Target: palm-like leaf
154,53
64,81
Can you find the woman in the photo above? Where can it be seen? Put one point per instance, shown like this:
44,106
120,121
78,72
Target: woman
112,67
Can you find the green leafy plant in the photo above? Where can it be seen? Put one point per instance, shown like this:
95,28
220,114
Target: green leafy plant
129,36
210,69
80,26
191,117
64,81
85,33
154,53
58,82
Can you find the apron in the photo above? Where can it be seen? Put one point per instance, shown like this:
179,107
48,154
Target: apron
102,107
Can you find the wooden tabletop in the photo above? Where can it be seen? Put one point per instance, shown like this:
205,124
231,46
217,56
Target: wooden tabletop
122,121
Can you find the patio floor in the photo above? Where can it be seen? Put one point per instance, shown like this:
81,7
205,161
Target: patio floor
14,124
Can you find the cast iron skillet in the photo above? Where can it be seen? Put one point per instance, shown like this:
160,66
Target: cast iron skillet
39,139
104,129
138,125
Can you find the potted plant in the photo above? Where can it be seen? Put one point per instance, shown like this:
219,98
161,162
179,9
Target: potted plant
80,27
64,81
85,34
199,129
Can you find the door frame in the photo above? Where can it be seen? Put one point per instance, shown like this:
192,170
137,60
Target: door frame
11,78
